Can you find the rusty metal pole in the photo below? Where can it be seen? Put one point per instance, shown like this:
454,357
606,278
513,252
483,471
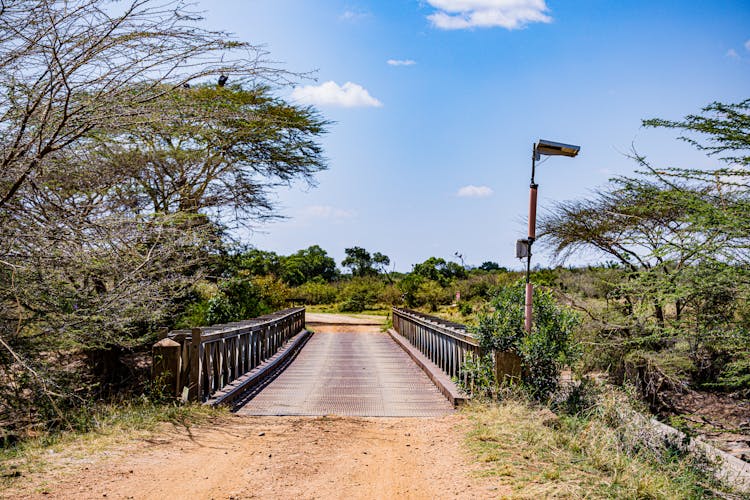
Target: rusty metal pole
533,187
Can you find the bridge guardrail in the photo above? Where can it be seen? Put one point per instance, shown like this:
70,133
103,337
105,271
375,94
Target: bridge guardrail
197,363
449,344
445,343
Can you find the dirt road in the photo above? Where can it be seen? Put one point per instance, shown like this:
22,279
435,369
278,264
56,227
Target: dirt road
276,457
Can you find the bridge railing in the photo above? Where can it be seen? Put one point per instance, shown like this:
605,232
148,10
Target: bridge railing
449,344
445,343
199,362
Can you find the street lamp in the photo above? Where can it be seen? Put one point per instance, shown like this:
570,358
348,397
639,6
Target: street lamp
523,247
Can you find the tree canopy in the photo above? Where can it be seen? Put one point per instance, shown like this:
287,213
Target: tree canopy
361,263
439,270
217,150
672,229
67,68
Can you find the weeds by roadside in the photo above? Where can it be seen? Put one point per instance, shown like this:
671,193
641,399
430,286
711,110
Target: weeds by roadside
600,450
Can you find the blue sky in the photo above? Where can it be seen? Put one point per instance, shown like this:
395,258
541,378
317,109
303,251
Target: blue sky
471,85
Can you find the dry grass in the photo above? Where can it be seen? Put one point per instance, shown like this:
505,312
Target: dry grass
539,454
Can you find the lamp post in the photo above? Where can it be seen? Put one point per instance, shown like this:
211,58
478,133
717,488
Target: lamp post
523,247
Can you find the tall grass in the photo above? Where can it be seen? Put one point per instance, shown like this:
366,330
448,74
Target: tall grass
606,452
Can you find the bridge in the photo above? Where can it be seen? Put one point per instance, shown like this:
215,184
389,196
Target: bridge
290,363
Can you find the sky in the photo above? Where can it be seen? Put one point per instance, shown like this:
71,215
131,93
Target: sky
436,105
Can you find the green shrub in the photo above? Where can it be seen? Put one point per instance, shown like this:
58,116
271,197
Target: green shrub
237,299
409,285
390,296
545,350
195,314
316,291
465,308
242,297
360,293
432,294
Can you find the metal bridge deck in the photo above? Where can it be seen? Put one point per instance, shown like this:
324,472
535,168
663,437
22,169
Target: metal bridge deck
353,374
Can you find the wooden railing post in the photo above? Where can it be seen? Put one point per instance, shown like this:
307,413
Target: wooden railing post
196,352
507,366
165,370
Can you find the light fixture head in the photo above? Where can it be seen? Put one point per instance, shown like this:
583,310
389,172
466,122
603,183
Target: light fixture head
551,148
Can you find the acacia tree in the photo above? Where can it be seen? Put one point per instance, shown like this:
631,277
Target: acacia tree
68,67
216,148
84,262
361,263
664,224
720,129
681,236
80,275
643,225
308,264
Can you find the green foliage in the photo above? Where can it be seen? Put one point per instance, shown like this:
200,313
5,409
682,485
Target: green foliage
478,377
238,299
430,293
479,285
492,266
274,292
361,264
316,291
216,147
306,265
259,262
360,294
550,344
465,308
241,297
195,314
437,269
409,286
722,361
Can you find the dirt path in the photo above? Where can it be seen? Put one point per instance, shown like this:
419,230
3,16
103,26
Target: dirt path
333,322
275,457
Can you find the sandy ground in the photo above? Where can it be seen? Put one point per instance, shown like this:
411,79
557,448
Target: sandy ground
342,319
276,457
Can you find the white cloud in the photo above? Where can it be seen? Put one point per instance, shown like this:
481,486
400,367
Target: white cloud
401,62
508,14
731,53
747,45
327,212
474,192
353,15
348,95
